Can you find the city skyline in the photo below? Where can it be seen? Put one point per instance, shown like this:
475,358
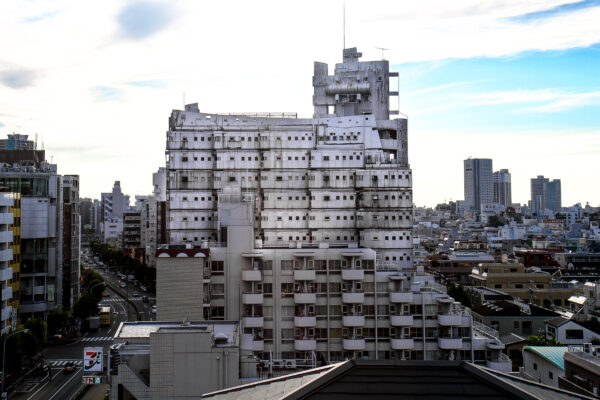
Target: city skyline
93,89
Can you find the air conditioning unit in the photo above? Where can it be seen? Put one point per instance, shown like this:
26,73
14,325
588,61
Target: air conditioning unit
290,364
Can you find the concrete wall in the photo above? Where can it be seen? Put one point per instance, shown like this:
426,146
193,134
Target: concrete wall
179,293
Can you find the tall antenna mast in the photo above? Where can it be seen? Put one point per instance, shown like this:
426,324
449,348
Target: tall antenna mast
344,24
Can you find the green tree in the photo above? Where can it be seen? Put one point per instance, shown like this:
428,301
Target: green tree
38,328
57,320
495,221
458,293
540,340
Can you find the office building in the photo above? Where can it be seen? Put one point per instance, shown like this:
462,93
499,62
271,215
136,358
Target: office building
545,194
339,177
17,142
114,203
6,256
40,187
479,183
502,188
71,241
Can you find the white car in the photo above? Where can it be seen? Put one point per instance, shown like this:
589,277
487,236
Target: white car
123,284
154,309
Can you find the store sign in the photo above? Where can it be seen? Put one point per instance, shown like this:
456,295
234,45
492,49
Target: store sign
92,359
92,380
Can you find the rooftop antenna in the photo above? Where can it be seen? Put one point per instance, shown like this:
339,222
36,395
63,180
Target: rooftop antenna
344,24
382,50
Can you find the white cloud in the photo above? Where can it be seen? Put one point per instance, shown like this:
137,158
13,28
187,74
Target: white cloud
227,56
553,100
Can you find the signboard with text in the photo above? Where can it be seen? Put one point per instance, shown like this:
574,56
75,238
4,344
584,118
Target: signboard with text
92,359
92,380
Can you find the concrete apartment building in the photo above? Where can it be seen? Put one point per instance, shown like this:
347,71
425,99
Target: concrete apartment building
340,177
6,256
502,187
307,228
479,182
534,287
304,305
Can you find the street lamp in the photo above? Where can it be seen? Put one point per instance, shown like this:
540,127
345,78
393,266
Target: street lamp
93,286
4,354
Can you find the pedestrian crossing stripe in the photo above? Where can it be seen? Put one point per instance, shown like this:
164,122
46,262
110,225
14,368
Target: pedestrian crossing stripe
62,363
112,300
97,339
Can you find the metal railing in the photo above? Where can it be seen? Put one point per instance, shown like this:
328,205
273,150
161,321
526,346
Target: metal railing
485,330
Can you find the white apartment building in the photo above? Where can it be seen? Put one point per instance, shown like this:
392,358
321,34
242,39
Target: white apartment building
6,255
339,177
304,305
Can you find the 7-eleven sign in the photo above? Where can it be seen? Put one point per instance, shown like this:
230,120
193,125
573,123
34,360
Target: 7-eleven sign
92,359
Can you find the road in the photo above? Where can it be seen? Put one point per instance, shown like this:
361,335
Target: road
64,384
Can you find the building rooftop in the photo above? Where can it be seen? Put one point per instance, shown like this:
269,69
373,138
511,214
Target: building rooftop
554,354
556,322
136,330
386,379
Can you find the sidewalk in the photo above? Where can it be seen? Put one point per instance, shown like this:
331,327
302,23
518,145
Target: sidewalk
95,392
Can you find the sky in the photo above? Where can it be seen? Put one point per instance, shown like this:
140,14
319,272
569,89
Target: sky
515,81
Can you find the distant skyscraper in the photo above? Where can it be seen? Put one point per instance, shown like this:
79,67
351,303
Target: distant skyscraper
502,187
545,194
479,186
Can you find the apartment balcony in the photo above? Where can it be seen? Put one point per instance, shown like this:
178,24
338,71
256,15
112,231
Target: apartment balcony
252,276
254,322
353,274
354,344
257,345
402,344
401,297
503,364
33,307
305,275
6,313
353,297
252,298
305,298
6,255
305,322
495,345
6,236
353,320
450,343
305,345
401,320
7,293
450,319
6,274
6,218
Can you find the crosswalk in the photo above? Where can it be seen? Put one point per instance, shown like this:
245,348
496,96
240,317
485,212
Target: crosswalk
97,339
115,300
62,363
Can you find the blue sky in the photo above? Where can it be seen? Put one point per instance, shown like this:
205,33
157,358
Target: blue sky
512,80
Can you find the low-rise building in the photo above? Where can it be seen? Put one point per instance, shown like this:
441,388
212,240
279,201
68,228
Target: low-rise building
509,316
544,364
174,360
582,370
569,332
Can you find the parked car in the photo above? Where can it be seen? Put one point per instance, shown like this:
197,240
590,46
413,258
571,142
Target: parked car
154,309
136,294
105,294
123,284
